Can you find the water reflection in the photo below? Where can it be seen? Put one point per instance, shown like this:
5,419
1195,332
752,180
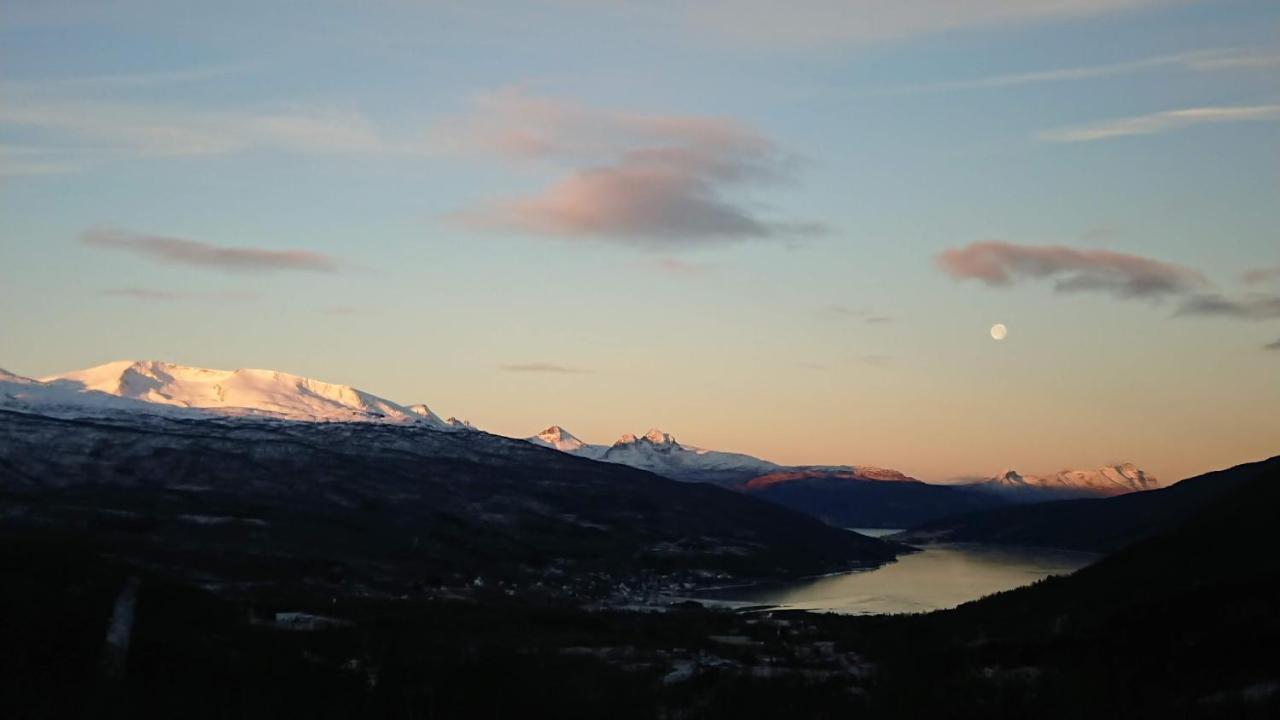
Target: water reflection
935,578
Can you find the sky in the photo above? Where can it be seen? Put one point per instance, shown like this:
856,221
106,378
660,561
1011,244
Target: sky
781,228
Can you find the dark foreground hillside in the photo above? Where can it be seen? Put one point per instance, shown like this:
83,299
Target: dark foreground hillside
1184,624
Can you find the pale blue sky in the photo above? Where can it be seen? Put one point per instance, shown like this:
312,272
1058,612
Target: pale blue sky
395,140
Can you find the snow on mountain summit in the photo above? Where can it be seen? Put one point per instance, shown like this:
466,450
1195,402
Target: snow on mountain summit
560,439
660,453
168,388
1108,480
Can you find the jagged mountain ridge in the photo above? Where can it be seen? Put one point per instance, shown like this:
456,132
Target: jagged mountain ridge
659,452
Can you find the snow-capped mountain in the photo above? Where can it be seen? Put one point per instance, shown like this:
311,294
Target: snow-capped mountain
1109,480
30,395
659,452
168,389
558,438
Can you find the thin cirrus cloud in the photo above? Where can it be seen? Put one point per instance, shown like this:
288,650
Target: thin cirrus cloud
1209,60
827,23
541,367
152,294
1162,122
656,180
181,251
161,130
1251,306
859,313
1072,270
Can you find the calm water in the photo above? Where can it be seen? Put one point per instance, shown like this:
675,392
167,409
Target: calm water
935,578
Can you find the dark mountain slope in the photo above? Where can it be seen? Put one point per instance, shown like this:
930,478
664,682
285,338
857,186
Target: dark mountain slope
383,506
850,499
1096,525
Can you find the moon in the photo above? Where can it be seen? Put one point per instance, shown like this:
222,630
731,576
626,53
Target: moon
999,331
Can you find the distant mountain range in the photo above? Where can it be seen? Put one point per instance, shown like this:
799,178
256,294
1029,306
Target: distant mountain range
1102,482
1092,524
842,495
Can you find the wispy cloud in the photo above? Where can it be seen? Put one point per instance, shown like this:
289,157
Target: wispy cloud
1251,306
152,294
1195,61
825,23
676,266
862,314
541,367
1162,122
181,251
22,160
875,360
160,130
1261,275
1073,270
149,78
342,310
657,180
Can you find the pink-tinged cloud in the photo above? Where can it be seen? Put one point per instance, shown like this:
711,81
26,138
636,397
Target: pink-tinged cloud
180,251
651,179
1125,276
1254,277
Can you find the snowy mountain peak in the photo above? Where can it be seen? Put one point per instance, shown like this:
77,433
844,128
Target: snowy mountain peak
424,412
658,437
653,437
167,388
558,438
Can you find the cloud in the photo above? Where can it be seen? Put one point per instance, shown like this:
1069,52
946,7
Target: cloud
1196,61
660,180
541,367
1162,122
1254,277
159,130
826,23
1252,306
1124,276
23,160
180,251
1272,346
342,310
875,360
860,313
139,293
675,266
